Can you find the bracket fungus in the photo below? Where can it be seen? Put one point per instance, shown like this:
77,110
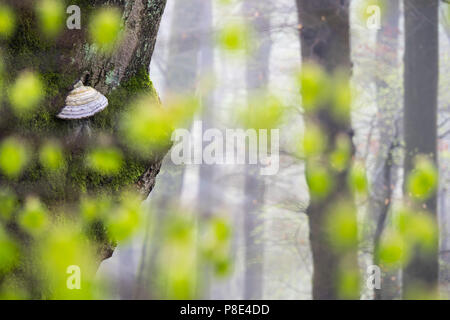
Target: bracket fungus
82,103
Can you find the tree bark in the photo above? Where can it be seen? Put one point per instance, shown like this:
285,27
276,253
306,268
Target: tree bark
325,40
420,111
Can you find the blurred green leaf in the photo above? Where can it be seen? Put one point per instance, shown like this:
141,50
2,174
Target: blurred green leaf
126,219
341,224
393,251
34,217
341,155
13,157
422,181
64,246
234,37
105,28
51,156
26,93
7,21
51,15
319,179
264,111
314,141
357,179
418,228
106,161
9,253
8,203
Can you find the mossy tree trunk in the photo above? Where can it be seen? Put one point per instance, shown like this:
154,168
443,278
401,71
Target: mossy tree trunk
62,61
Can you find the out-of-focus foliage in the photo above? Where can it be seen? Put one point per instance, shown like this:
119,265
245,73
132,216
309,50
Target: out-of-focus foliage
364,9
321,90
341,155
51,15
8,204
314,86
147,113
124,220
264,111
348,280
412,230
51,156
14,156
216,245
314,141
106,161
105,28
320,180
357,179
341,226
7,21
422,181
233,37
64,246
26,93
184,258
9,253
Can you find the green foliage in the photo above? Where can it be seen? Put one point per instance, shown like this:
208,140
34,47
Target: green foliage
216,245
8,204
314,141
422,181
34,217
125,220
341,225
314,86
105,28
64,246
234,37
106,161
51,156
9,253
7,21
392,251
357,179
340,157
147,113
26,93
412,231
264,111
319,179
51,15
320,90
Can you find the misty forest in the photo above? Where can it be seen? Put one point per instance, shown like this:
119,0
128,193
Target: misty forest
224,149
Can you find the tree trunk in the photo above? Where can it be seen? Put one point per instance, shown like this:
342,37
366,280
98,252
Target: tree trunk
420,111
325,40
120,76
257,78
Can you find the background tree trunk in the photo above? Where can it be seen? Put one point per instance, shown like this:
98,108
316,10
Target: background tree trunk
420,111
257,78
384,178
325,40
